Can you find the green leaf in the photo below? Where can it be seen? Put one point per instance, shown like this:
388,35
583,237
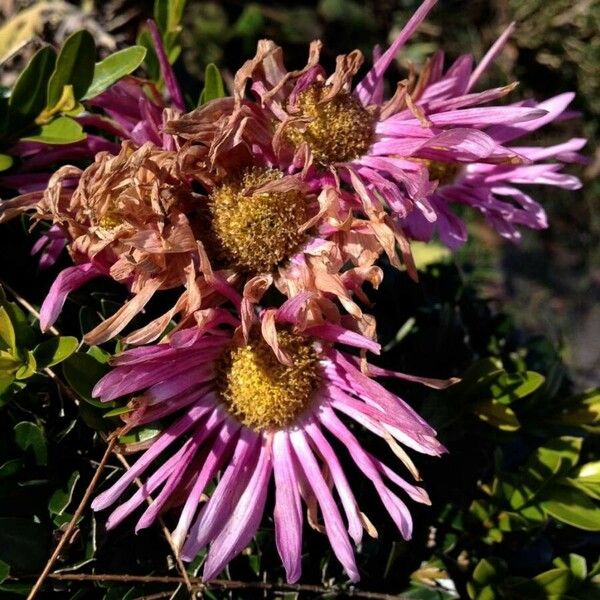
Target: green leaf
575,563
29,366
113,68
555,581
497,415
573,507
62,130
121,410
10,467
168,14
54,351
144,39
6,162
510,387
74,66
82,372
587,479
556,458
29,95
4,571
25,335
488,571
141,434
213,84
23,544
8,340
31,435
61,499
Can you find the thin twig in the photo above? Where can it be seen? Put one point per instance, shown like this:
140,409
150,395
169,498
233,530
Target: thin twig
180,566
225,584
69,530
28,307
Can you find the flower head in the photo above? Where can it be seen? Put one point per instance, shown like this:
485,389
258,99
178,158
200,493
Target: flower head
125,216
390,164
242,411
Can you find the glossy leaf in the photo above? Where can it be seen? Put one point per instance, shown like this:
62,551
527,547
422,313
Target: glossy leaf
74,66
587,479
29,95
213,84
54,351
144,39
555,581
8,340
82,372
62,130
573,507
61,499
6,162
510,387
31,435
497,415
28,367
114,67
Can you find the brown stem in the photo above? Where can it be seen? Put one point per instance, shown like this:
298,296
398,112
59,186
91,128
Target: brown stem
69,530
224,584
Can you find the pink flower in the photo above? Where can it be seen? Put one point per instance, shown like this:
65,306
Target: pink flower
492,189
126,217
242,412
341,136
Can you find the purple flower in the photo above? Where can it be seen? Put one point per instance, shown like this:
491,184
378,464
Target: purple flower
344,135
260,409
492,189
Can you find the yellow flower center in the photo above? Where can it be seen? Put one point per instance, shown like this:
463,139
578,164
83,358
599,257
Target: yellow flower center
257,230
341,129
264,393
444,172
109,221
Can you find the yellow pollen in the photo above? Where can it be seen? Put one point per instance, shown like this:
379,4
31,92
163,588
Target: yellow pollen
256,231
109,221
443,172
264,393
341,129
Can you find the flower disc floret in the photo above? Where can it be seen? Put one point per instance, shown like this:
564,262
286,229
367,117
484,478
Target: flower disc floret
340,129
262,392
257,230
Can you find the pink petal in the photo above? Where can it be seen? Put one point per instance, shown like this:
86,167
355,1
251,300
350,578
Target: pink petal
368,85
323,447
288,510
334,526
222,503
68,280
243,522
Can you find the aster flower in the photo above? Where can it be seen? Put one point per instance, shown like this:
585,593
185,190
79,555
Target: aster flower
271,227
126,218
343,137
490,188
242,412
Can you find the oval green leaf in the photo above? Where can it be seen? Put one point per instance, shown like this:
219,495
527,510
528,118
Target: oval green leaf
74,66
6,162
113,68
55,350
63,130
31,435
573,507
29,95
82,372
213,84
